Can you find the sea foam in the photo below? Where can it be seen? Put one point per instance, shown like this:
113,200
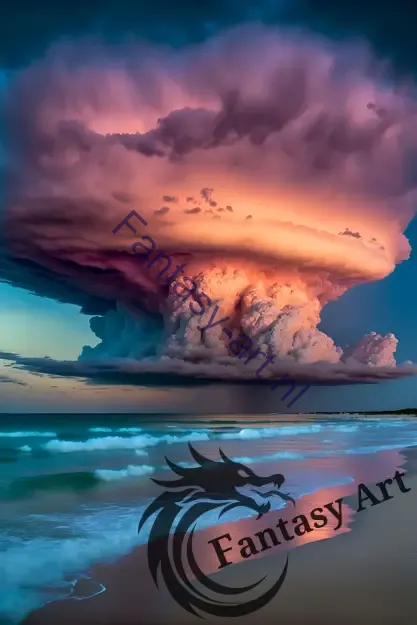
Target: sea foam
110,475
120,442
27,434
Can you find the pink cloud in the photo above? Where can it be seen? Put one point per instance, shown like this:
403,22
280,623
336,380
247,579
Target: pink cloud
289,129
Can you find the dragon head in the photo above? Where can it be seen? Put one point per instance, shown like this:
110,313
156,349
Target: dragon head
224,481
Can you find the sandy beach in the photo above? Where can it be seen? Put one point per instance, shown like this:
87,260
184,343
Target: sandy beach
364,577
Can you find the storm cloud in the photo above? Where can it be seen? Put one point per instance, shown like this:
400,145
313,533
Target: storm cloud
294,131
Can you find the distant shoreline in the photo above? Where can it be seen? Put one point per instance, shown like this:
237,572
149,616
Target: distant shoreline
402,411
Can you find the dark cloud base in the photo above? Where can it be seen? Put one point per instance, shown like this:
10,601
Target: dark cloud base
129,372
38,280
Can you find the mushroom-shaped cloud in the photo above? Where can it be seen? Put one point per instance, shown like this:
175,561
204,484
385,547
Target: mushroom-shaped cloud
276,170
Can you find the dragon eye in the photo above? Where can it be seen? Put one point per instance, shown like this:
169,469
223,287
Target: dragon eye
243,473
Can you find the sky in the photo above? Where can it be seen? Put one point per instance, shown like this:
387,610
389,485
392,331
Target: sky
373,290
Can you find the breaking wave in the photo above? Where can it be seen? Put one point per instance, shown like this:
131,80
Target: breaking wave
140,442
24,487
120,442
28,434
29,486
110,475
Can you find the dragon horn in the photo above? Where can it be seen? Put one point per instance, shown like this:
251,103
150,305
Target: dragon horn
224,457
197,456
168,483
175,468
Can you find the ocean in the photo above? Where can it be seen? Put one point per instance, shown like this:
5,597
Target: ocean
73,487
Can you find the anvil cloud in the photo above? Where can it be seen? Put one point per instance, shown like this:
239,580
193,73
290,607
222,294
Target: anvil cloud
279,168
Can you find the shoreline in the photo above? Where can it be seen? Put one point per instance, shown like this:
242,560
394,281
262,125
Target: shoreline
364,576
410,412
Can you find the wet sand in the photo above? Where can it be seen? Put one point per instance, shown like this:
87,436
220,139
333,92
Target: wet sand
367,576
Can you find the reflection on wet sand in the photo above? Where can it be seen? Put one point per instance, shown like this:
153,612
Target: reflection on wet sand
316,517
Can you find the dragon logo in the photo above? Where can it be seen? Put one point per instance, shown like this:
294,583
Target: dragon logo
211,486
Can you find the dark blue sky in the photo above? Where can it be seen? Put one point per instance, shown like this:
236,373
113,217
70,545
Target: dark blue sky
32,26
